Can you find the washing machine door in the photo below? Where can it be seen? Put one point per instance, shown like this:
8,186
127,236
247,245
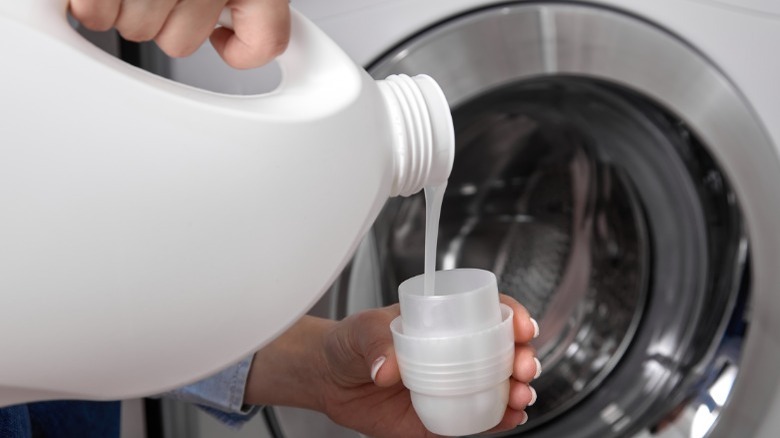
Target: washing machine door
621,188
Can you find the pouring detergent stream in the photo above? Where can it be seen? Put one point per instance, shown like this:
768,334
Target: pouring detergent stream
130,201
454,341
434,195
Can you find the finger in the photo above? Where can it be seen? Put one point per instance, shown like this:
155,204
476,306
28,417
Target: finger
384,370
261,31
142,20
512,418
188,25
375,341
98,15
380,351
521,395
526,328
526,367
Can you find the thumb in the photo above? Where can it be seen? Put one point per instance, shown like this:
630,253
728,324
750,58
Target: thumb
384,369
261,31
377,345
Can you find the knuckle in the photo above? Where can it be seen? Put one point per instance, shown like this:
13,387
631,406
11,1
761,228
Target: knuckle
277,46
363,319
138,34
92,14
94,22
176,48
264,52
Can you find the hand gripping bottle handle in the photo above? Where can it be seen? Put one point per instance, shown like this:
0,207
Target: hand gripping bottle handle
309,57
153,233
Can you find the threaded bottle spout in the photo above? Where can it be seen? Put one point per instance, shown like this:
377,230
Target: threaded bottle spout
424,139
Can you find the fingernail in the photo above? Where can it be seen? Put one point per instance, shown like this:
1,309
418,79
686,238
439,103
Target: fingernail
524,420
536,327
533,396
538,368
376,366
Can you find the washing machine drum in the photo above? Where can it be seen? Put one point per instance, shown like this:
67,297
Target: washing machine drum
584,178
607,220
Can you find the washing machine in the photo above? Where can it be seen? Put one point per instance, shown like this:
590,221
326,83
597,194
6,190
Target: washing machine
617,168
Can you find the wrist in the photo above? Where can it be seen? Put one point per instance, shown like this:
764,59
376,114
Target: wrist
290,370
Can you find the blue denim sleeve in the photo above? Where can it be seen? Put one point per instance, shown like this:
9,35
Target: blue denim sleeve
221,395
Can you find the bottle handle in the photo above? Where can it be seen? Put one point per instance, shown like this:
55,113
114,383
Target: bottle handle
310,52
310,56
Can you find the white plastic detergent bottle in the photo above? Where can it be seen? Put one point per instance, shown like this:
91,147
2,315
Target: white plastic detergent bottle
152,233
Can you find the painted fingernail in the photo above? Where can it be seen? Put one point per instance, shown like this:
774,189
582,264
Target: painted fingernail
533,396
538,368
376,366
524,420
536,327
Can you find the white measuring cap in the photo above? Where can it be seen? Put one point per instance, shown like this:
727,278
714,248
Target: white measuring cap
455,351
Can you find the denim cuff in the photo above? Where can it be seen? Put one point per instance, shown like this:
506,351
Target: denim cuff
221,395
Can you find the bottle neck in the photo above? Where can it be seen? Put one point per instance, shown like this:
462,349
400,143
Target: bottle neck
423,135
